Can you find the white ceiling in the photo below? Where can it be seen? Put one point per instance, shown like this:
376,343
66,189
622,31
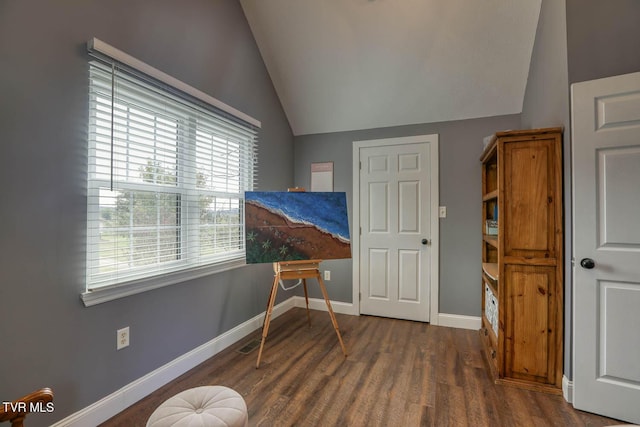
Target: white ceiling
358,64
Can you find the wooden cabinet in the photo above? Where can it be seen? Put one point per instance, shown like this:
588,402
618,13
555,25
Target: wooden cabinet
522,259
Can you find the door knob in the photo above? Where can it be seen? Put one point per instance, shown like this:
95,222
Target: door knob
425,241
587,263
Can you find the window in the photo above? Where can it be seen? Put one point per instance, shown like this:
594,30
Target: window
166,180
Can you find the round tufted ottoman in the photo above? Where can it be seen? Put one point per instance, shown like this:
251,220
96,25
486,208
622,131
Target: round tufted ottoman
207,406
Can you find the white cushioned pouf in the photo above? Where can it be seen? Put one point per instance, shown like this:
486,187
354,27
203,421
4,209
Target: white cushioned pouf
207,406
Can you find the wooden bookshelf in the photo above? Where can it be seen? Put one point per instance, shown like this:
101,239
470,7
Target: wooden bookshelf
522,265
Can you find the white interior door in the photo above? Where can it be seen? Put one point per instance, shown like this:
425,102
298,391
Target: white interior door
396,240
606,191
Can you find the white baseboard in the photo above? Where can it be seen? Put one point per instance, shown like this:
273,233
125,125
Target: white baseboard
448,320
459,321
567,389
119,400
319,304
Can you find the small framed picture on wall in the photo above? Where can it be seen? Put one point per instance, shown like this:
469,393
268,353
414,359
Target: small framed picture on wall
322,176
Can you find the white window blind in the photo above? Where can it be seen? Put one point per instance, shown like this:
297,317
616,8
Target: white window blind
166,179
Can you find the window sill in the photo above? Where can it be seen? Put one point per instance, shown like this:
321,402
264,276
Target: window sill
110,293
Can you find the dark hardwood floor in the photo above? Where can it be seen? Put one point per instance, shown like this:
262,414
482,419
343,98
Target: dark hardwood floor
398,373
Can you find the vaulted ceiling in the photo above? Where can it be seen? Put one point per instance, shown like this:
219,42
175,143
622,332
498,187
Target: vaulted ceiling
357,64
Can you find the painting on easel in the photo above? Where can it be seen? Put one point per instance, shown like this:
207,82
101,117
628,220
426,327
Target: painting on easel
287,226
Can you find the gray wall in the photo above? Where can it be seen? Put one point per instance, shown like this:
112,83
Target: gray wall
603,38
47,336
546,104
460,145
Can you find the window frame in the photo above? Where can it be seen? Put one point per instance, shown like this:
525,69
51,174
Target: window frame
147,278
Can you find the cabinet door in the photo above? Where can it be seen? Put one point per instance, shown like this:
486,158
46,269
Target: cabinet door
531,340
529,199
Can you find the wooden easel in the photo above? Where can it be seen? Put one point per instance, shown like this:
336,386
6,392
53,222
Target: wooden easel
300,270
297,270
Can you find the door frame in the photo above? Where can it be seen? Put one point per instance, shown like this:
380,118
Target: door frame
434,284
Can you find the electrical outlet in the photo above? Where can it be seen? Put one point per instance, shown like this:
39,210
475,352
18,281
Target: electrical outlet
122,338
327,275
442,212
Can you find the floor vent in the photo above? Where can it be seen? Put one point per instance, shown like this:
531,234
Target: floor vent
250,346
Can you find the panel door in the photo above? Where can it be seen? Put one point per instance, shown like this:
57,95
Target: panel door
606,183
395,217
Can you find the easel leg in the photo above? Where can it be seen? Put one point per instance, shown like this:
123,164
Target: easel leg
333,316
267,317
306,299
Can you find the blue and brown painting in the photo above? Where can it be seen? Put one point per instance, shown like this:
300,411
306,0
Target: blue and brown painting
286,226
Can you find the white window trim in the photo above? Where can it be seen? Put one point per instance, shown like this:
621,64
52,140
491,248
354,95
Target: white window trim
132,287
121,290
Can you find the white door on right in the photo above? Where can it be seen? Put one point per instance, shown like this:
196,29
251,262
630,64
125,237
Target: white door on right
606,300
